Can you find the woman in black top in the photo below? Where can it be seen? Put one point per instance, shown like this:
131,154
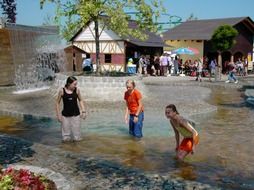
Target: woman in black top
73,110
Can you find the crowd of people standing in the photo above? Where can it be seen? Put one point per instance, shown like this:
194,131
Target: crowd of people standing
167,65
158,65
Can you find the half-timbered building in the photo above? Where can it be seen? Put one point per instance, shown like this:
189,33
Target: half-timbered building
116,50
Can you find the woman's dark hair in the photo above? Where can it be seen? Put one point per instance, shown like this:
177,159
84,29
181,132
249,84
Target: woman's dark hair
173,107
70,80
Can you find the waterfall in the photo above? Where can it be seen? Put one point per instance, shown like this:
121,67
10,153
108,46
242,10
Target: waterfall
37,55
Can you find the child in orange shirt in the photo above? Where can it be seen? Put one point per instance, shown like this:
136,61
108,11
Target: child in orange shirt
134,108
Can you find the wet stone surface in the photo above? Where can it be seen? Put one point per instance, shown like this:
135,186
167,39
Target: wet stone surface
78,172
117,177
13,150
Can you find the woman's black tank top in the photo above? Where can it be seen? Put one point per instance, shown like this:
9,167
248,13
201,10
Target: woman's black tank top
70,104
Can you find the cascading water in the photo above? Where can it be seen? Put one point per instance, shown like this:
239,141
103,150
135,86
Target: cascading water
37,55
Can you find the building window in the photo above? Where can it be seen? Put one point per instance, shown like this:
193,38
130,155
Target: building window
108,58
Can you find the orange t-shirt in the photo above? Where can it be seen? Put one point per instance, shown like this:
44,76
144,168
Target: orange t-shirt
132,100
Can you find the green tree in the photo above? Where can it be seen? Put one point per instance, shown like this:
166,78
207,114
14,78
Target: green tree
78,13
223,39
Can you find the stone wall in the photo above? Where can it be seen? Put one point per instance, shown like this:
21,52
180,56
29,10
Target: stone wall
6,61
99,88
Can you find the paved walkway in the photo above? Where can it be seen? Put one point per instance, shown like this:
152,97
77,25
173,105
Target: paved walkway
187,80
183,78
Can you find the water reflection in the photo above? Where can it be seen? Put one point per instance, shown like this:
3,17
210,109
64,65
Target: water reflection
228,142
185,170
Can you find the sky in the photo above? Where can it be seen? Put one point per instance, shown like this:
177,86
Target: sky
29,12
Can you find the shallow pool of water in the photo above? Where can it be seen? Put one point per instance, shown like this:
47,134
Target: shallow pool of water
224,156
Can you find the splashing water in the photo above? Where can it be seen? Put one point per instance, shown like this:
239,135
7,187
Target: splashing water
37,56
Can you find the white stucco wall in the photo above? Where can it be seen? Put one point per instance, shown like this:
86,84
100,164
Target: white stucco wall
88,34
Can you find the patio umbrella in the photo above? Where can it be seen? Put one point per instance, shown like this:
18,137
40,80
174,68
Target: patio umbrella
195,50
183,51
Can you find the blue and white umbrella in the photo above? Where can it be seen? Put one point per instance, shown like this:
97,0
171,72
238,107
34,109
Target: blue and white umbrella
183,51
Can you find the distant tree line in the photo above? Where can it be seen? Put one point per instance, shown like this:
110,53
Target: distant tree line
9,10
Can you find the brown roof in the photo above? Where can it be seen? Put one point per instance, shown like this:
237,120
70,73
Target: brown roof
153,40
70,48
203,29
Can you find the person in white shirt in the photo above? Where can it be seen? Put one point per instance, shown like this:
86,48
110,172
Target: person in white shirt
199,69
245,65
164,64
170,64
